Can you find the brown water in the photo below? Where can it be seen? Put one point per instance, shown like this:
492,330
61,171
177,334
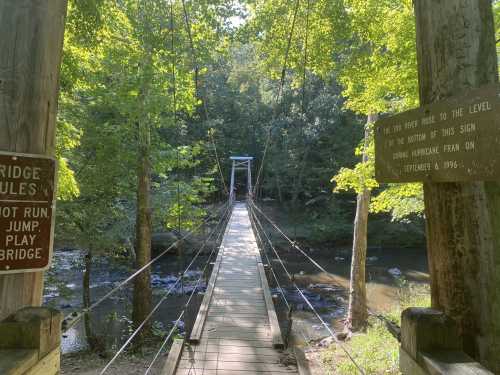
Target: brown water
326,291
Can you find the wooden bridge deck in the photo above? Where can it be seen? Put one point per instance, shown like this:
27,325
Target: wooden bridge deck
236,331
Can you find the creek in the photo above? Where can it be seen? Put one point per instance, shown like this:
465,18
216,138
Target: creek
327,292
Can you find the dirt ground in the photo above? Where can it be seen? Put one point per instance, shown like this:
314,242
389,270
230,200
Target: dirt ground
86,363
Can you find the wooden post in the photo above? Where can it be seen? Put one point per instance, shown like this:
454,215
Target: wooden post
31,47
430,345
29,342
456,50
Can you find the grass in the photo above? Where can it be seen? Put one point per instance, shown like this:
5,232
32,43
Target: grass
376,350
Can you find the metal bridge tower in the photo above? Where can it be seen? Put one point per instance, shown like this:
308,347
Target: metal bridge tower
241,163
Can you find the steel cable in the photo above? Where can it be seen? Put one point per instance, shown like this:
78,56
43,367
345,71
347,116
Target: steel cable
279,96
309,304
293,243
73,320
315,263
194,57
280,288
185,306
157,306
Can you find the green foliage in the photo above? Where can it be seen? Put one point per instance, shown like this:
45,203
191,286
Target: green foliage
376,351
361,176
379,64
401,200
118,74
379,74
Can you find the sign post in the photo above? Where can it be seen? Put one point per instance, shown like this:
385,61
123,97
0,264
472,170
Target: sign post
27,203
449,141
32,35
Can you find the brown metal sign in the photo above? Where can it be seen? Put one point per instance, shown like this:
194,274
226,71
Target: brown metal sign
449,141
27,203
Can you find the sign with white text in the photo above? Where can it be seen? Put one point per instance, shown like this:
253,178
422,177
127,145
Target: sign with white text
454,140
27,209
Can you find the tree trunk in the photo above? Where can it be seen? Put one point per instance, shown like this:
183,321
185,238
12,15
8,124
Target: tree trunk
456,51
86,296
31,46
357,315
142,283
86,300
142,298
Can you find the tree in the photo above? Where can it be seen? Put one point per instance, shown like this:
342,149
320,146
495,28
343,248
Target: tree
378,72
117,130
357,316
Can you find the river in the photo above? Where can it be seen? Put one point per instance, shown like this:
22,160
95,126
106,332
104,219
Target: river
326,291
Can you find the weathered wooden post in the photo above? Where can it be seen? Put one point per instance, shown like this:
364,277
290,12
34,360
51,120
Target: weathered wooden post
31,39
30,342
430,344
452,145
456,51
31,47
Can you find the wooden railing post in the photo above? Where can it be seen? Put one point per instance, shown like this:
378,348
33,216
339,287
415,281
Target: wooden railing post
30,342
430,344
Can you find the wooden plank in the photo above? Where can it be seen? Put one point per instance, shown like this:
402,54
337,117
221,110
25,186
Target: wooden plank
173,358
225,349
235,366
248,327
241,321
452,362
220,372
236,334
17,362
48,365
236,342
273,358
202,314
302,362
271,312
238,302
205,305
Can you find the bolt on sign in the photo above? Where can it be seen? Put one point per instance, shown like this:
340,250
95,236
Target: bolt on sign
454,140
27,207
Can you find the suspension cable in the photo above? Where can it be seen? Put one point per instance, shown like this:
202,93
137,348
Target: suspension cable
157,306
79,315
330,330
256,231
167,338
389,324
174,110
186,305
279,95
307,340
218,163
306,56
194,57
292,243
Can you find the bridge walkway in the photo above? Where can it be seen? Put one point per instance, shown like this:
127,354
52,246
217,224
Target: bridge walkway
236,331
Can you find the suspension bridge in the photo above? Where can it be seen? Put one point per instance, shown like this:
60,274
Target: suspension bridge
236,329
